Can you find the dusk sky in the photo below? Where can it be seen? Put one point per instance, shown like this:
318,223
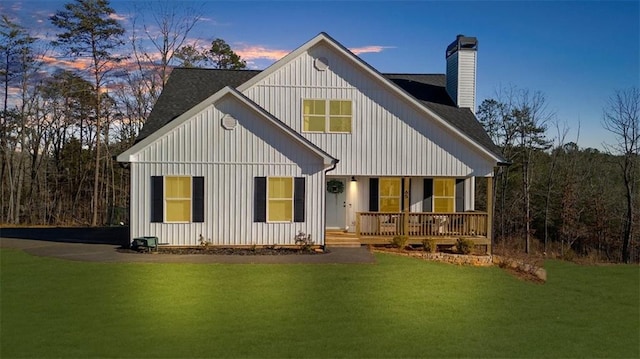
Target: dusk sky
575,53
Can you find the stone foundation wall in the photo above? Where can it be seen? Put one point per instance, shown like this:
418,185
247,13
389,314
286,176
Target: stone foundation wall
521,266
459,259
480,261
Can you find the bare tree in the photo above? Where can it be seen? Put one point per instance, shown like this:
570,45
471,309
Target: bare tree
560,140
531,116
622,118
172,24
19,63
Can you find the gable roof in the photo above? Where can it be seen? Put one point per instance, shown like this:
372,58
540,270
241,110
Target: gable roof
426,91
211,99
186,88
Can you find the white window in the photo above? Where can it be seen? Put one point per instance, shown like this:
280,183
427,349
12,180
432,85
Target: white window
177,196
444,195
390,194
280,199
333,116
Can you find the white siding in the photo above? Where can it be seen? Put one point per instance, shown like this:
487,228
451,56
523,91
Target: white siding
467,79
452,76
228,160
461,78
389,135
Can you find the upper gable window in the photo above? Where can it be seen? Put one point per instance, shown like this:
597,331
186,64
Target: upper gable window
333,116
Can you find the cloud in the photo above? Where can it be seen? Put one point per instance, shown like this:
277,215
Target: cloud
117,17
79,63
253,52
369,49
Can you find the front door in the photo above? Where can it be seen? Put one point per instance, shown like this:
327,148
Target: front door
336,202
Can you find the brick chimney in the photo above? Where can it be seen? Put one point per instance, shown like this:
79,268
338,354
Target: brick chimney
462,55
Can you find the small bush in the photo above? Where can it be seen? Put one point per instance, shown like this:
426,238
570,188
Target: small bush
464,246
203,241
400,241
304,241
429,245
568,255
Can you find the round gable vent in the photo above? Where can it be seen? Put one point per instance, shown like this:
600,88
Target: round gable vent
229,122
321,63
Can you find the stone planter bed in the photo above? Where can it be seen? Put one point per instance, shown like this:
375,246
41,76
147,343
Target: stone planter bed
519,268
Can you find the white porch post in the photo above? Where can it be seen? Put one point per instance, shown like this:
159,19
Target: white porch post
407,204
490,212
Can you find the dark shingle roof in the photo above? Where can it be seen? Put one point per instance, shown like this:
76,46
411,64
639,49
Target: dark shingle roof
188,87
430,90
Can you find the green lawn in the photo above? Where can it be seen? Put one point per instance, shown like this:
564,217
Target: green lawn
399,307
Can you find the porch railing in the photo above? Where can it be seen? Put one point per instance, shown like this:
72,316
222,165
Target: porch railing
422,224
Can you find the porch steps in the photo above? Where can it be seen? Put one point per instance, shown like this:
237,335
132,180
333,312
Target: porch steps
341,239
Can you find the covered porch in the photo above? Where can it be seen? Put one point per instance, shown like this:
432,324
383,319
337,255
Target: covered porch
443,229
380,226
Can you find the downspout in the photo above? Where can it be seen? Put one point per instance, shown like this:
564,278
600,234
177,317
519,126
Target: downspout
333,167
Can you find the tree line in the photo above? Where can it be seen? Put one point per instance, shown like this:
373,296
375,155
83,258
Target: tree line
60,131
558,198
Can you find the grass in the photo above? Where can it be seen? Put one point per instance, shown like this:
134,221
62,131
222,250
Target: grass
399,307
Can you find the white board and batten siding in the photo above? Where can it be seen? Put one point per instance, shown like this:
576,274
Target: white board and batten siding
228,160
390,136
461,78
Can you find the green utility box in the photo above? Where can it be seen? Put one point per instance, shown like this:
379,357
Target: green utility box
145,242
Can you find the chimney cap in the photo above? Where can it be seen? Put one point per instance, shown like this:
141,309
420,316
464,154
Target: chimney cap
462,43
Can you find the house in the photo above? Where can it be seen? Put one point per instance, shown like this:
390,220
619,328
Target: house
319,141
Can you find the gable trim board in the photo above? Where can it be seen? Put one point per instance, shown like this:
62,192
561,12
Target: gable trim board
129,154
323,37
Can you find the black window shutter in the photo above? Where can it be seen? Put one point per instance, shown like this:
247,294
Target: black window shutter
460,195
298,199
373,194
197,203
157,199
260,199
427,201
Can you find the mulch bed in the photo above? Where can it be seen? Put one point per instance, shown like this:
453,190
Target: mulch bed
266,251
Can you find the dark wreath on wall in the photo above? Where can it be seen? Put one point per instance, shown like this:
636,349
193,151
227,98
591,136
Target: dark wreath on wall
335,186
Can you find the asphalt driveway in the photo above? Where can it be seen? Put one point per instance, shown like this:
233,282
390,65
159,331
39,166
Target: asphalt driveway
109,253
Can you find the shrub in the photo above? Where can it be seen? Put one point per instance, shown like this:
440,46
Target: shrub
464,246
304,241
203,241
429,245
400,241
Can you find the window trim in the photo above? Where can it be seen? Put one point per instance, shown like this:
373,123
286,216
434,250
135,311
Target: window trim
381,196
166,200
291,199
327,115
435,196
